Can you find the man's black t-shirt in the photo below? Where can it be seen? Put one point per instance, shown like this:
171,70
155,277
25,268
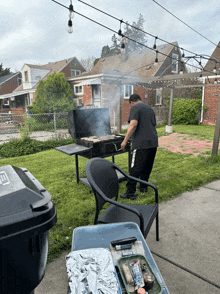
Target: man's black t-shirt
145,135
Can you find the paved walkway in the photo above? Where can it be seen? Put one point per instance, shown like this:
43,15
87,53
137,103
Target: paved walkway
188,253
40,136
185,144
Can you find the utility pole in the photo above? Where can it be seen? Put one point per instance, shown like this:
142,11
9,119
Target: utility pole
217,130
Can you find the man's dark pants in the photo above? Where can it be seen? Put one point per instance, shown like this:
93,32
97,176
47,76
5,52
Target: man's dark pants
141,167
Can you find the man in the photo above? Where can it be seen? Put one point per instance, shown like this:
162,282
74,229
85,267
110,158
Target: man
142,131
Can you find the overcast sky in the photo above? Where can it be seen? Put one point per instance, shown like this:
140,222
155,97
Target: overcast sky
35,32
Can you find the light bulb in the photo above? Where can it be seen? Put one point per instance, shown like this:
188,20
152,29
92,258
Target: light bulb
71,15
70,28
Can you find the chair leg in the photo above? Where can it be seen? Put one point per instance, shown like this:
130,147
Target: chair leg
157,227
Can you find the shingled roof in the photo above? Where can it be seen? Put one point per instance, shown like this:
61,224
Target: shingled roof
210,65
53,66
138,63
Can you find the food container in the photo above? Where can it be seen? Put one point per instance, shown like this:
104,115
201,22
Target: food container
146,268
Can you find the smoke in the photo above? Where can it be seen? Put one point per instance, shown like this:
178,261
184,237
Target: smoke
89,122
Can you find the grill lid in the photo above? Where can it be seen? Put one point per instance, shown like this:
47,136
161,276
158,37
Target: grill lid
89,122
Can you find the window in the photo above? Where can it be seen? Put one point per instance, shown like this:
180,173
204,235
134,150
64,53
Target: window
19,81
26,76
158,96
75,72
6,101
174,66
128,91
78,90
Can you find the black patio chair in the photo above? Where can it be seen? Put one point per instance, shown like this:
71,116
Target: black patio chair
104,182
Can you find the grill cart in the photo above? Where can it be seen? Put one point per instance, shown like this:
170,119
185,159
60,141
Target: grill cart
92,131
26,216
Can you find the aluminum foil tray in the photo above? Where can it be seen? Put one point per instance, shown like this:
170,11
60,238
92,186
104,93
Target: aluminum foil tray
91,271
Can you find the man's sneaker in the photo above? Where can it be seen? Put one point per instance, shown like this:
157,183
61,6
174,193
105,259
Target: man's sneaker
128,196
142,190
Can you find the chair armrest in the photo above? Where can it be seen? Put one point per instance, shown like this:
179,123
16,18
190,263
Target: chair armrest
139,181
134,210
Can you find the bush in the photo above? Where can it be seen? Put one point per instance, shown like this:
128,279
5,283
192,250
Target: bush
186,111
20,147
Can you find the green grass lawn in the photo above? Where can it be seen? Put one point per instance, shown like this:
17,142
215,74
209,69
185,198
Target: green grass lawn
173,173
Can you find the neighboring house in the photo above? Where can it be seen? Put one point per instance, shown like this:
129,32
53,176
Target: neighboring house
109,83
24,94
8,84
211,93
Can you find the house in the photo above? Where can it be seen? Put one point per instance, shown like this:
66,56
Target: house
211,93
111,81
8,84
24,93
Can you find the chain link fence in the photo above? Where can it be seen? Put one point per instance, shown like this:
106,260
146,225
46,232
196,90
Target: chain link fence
42,127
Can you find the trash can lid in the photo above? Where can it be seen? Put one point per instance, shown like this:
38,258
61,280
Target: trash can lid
25,205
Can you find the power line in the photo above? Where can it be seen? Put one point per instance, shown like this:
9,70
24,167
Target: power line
156,37
156,51
185,23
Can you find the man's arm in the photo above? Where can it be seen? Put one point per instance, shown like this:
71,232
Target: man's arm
131,129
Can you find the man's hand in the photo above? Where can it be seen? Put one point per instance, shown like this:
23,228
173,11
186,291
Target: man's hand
123,144
131,129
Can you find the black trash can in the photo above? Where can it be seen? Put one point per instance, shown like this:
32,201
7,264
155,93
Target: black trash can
26,216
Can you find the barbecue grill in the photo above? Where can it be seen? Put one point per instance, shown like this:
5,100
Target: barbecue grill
92,131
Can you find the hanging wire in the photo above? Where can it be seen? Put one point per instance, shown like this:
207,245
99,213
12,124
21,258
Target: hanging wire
185,23
142,30
127,36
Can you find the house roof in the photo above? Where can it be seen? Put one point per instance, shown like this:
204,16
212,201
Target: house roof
7,77
138,63
210,65
57,66
53,66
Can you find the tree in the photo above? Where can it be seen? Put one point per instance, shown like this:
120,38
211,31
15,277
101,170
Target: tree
4,72
88,62
106,51
53,95
135,34
115,48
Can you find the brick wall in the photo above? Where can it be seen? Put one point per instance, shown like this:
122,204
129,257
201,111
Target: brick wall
211,97
74,64
87,95
10,85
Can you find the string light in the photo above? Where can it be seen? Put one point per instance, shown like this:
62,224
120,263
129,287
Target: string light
181,68
156,59
70,30
70,26
123,44
214,70
120,32
71,10
183,55
155,46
